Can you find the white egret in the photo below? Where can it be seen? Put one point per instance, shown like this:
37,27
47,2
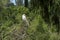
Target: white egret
24,18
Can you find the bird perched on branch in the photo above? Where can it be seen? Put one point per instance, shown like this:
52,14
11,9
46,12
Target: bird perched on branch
24,18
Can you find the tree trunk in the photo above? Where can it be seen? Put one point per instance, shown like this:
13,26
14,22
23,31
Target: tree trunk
26,3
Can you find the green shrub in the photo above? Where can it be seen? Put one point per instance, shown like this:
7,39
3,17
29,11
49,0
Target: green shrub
11,23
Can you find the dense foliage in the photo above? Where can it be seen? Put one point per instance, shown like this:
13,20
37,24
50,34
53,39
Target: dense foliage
43,18
11,24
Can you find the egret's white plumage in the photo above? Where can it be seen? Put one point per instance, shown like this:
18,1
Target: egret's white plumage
25,19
